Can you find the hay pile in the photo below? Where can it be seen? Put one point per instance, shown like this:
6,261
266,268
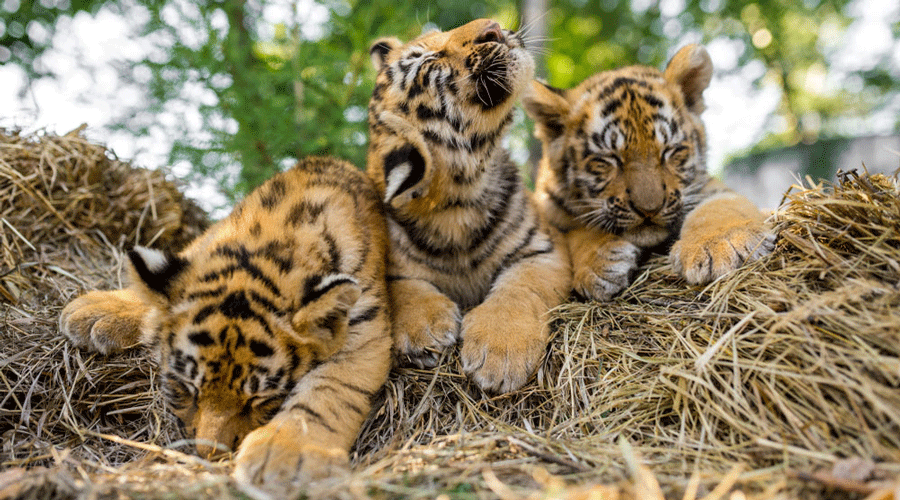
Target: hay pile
781,380
68,208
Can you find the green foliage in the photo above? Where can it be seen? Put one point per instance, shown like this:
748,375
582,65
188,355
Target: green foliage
792,40
271,91
273,97
27,27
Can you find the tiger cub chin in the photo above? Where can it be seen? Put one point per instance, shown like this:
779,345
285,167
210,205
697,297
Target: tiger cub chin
271,330
470,256
624,170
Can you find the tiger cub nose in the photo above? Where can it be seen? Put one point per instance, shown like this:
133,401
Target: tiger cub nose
491,33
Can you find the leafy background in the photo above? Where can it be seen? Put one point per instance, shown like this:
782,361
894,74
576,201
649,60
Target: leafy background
228,92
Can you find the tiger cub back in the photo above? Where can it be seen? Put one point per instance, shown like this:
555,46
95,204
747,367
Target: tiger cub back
624,171
470,256
271,330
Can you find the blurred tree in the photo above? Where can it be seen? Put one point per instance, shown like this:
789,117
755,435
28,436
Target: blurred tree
793,40
27,28
279,91
275,80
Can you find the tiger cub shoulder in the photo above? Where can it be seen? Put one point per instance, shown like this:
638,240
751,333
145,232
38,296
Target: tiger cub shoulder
624,171
271,329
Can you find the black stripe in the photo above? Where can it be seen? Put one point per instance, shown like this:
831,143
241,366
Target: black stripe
367,315
203,294
342,355
266,303
619,82
261,349
274,193
352,407
450,143
316,416
277,252
560,203
499,212
652,100
304,212
414,90
242,256
349,386
511,257
201,338
204,313
611,107
334,255
312,289
426,113
236,306
511,227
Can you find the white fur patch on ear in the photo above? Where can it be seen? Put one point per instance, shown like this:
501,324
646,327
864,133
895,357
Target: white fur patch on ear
155,260
395,179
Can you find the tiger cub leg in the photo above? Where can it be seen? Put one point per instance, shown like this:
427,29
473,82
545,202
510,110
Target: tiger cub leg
505,336
104,321
311,436
718,236
425,321
602,263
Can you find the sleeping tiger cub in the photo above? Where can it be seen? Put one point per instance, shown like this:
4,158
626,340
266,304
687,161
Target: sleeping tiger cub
470,257
271,329
624,170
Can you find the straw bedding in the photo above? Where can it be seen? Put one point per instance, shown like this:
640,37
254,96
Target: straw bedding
780,380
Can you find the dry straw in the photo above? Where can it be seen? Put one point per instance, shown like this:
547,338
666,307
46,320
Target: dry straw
780,380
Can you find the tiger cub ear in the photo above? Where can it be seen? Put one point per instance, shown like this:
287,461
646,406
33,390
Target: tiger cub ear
154,273
691,70
548,107
404,160
380,48
322,320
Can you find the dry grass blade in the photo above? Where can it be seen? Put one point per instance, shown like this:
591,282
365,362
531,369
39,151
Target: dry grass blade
788,366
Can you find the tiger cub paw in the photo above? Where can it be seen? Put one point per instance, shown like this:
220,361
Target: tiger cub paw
702,257
103,321
424,326
609,270
501,346
279,458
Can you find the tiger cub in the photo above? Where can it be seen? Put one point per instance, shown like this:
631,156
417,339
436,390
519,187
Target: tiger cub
271,330
624,170
470,256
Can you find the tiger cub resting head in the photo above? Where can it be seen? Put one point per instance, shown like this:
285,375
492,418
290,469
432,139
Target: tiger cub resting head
624,170
271,330
470,257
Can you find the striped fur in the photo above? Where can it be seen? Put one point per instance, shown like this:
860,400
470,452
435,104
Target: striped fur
470,257
271,329
624,170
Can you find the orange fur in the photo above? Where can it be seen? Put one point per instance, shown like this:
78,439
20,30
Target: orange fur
271,329
466,237
623,171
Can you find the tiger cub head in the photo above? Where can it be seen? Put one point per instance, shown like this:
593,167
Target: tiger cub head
230,351
624,152
445,98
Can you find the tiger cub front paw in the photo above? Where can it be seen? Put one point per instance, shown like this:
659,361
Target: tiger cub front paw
425,323
281,458
703,256
104,321
502,346
607,271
